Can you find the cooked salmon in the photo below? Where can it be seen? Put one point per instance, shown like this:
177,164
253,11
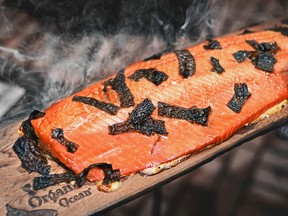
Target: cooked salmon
117,137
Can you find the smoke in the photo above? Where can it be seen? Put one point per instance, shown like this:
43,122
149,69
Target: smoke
53,48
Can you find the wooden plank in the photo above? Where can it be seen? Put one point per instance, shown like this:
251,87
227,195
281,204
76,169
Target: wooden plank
64,199
67,200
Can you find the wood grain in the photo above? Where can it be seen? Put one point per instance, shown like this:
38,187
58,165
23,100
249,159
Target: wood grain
14,178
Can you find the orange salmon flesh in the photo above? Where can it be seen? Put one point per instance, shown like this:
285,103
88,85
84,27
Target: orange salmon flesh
132,152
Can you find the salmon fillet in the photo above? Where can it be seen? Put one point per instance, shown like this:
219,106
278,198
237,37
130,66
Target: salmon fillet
131,152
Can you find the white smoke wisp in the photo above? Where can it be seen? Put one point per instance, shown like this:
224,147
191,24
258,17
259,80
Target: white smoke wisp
57,57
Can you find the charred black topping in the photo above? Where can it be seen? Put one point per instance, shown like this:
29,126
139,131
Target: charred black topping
157,56
187,64
270,47
119,85
53,179
107,107
241,55
27,128
25,147
140,120
263,56
213,44
36,114
58,134
263,61
247,31
153,57
239,98
142,111
31,158
282,30
148,127
151,74
192,114
216,65
284,21
11,211
110,175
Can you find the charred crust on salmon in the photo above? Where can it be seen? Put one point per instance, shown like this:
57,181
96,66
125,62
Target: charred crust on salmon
140,120
58,134
241,55
241,95
118,84
216,65
106,107
152,74
31,158
193,114
213,44
187,64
